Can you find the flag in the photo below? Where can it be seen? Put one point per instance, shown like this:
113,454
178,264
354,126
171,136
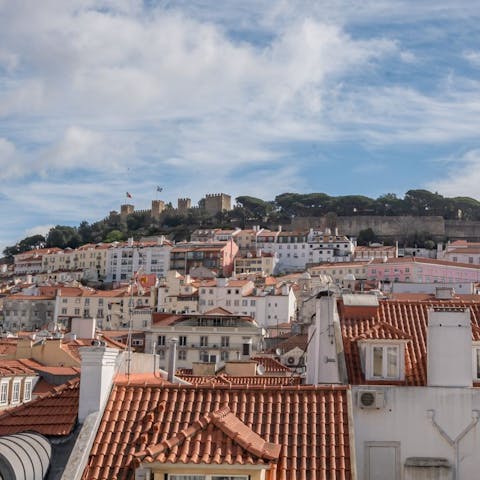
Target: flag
159,188
129,195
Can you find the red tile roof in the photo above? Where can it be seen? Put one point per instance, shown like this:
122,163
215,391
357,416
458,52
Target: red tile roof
246,446
227,424
271,365
10,368
224,379
394,319
52,414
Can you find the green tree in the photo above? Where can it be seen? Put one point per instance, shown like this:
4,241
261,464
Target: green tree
63,236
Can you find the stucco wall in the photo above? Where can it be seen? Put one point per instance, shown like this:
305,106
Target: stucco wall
404,419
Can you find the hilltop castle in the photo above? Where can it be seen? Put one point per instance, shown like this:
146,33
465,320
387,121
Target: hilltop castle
212,204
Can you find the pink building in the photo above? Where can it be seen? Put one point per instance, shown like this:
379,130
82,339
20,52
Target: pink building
422,270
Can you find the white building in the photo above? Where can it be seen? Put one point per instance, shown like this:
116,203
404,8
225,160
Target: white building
124,260
213,337
414,372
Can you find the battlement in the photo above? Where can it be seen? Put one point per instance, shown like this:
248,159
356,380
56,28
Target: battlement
217,195
184,204
217,202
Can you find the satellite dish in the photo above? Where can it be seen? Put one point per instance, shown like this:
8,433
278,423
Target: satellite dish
260,370
278,352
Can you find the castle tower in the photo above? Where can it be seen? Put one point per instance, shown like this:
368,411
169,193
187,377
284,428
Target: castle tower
125,210
184,204
217,202
158,206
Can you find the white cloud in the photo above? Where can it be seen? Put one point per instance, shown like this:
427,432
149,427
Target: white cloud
473,57
462,176
38,230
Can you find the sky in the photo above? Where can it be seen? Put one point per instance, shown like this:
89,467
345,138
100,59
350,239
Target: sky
250,97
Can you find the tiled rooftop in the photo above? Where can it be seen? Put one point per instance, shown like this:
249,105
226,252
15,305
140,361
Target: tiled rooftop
271,365
10,368
393,319
52,414
306,427
224,379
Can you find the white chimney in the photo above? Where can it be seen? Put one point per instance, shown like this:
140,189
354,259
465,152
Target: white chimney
322,352
130,242
97,372
222,282
172,359
449,347
83,327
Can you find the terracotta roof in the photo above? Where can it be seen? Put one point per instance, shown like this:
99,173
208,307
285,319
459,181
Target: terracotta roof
8,347
250,380
394,319
53,370
9,368
271,365
253,449
295,341
72,346
52,414
196,424
430,261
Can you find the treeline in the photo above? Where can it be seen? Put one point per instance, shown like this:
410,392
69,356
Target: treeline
250,211
415,202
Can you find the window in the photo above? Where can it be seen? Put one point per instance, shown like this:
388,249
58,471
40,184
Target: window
226,342
476,363
252,303
16,392
224,355
77,311
182,354
3,393
161,340
27,391
204,341
182,340
161,354
64,311
385,361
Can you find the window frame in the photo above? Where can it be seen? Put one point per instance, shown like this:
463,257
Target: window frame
369,347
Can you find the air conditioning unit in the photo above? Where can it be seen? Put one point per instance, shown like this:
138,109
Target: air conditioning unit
373,399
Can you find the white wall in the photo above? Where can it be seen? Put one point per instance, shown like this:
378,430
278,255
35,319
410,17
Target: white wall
404,419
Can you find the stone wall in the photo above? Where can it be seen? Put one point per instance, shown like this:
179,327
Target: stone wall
395,227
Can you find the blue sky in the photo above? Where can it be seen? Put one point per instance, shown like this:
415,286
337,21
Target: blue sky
100,97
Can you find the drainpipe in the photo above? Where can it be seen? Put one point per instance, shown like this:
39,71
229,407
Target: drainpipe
454,442
172,357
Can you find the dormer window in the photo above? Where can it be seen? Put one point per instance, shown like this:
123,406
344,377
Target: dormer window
383,359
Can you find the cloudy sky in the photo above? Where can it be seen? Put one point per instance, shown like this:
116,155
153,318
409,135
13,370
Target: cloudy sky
250,97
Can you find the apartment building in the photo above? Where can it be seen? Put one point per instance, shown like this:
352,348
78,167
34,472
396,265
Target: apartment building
212,337
422,270
462,251
124,260
30,310
261,263
296,249
31,262
217,256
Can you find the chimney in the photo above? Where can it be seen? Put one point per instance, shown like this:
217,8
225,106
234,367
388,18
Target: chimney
444,293
323,353
449,347
172,357
130,242
83,327
97,372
